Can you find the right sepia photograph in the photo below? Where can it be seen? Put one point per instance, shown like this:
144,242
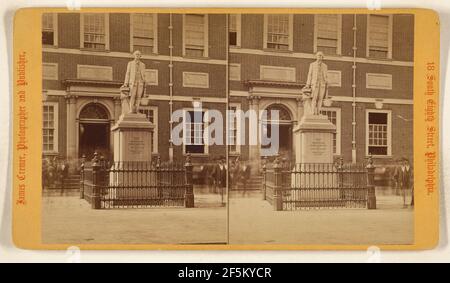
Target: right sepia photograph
320,129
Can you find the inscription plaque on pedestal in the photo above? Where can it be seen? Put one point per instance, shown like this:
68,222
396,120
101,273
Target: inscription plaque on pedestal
132,138
314,137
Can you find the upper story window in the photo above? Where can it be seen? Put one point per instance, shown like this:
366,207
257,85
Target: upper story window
278,31
144,33
379,36
195,35
328,34
95,31
49,29
234,30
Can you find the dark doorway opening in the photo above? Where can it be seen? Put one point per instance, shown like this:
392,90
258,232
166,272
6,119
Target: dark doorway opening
94,137
285,139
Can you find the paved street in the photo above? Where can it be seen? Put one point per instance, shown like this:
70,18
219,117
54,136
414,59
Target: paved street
67,219
253,221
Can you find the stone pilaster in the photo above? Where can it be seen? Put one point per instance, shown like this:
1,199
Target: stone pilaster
72,127
255,149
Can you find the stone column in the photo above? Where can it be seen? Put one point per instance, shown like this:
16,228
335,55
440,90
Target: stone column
72,128
296,137
255,149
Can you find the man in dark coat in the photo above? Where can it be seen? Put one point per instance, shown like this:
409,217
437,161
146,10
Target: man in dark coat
405,174
220,174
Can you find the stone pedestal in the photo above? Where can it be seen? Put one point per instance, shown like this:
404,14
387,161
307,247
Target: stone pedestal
314,153
132,138
132,151
313,139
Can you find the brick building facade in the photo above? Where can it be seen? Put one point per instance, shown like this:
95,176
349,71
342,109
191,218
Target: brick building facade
370,63
84,62
261,62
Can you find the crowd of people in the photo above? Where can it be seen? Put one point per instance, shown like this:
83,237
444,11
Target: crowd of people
215,172
54,171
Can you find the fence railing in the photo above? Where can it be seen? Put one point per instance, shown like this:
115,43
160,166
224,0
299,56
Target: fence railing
137,184
318,185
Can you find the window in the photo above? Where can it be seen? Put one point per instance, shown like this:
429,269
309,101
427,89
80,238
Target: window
195,35
143,32
233,128
151,112
234,30
379,36
278,32
328,34
50,127
49,29
378,132
194,128
334,116
95,30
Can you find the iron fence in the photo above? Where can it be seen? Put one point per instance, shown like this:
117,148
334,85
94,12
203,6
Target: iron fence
137,184
318,185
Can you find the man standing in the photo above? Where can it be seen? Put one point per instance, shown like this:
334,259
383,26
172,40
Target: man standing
317,82
406,175
135,80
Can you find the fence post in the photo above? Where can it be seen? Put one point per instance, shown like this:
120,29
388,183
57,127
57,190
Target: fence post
371,197
82,177
340,170
264,172
189,192
278,185
95,203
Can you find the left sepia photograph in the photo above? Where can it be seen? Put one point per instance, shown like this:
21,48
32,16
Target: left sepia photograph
125,156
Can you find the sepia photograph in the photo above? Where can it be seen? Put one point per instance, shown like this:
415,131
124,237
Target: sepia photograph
333,97
115,87
240,129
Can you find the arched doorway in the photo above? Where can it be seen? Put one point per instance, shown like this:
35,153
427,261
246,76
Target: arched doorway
285,127
94,131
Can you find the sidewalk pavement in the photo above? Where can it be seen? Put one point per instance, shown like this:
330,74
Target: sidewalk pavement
253,221
68,219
